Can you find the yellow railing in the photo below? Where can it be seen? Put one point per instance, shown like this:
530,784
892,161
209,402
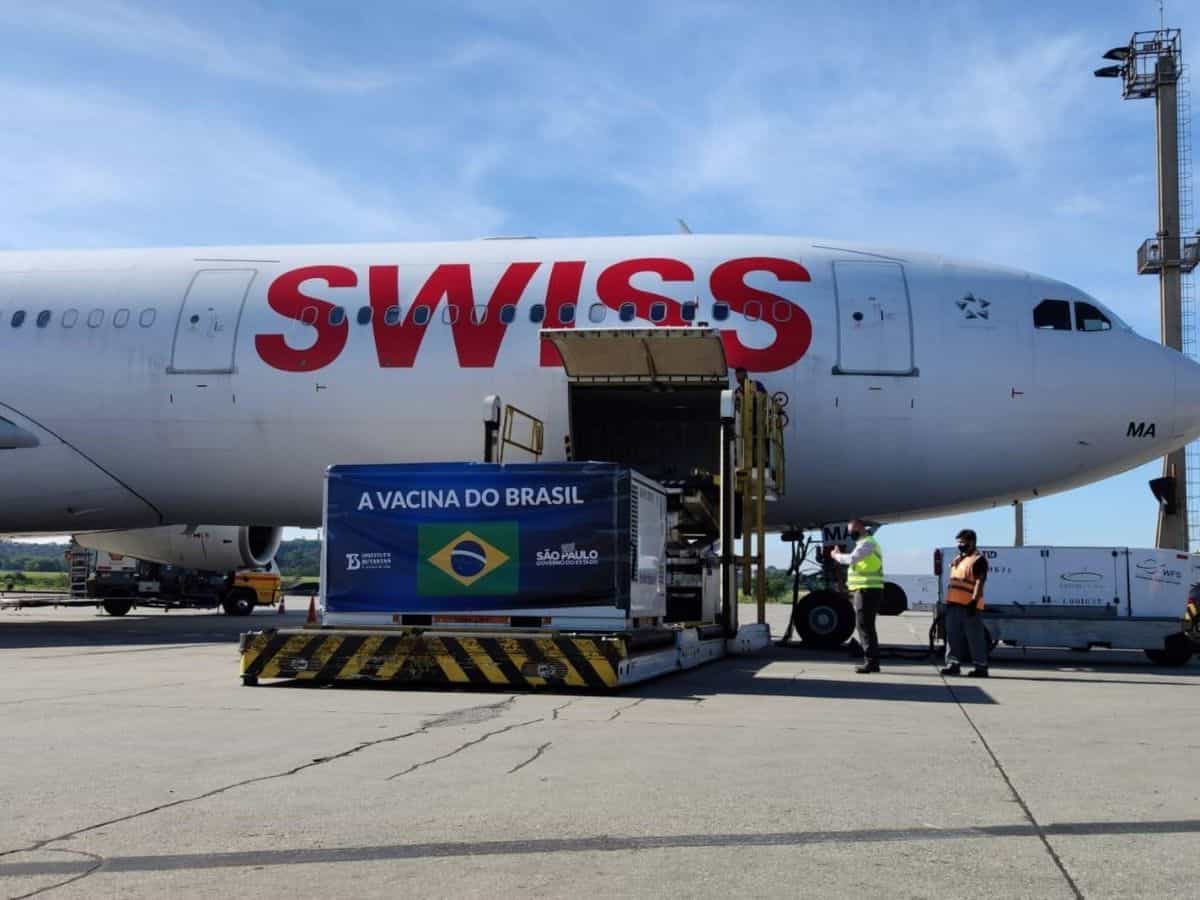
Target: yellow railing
761,468
535,441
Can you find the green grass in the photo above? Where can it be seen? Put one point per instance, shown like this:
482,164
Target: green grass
33,581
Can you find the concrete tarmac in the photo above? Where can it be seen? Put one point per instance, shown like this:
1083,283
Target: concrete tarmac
133,763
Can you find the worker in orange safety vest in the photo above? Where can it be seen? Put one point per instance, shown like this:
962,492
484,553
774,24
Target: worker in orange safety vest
963,605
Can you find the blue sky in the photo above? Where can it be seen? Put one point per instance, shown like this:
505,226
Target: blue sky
973,129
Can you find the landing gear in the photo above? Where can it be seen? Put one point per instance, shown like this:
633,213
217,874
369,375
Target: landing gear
824,619
116,607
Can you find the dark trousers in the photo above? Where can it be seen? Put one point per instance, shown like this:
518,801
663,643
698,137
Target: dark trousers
965,634
866,608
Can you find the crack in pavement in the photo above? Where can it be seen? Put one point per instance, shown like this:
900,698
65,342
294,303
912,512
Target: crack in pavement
620,709
540,750
462,716
554,712
464,746
97,860
81,694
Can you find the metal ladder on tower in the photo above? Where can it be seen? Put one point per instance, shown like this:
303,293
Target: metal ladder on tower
760,468
79,561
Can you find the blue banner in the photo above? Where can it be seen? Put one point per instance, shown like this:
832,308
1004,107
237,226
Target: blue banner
472,537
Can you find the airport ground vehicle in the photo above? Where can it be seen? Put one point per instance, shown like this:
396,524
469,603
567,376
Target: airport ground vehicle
592,574
1084,597
121,582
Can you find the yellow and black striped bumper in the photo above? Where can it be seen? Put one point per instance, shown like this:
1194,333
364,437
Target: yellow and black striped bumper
485,659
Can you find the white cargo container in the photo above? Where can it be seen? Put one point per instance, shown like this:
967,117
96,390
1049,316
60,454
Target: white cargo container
1083,597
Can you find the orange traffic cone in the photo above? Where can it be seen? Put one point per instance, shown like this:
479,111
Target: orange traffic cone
312,611
282,609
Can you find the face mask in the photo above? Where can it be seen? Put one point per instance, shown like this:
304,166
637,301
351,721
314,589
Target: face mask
963,548
856,534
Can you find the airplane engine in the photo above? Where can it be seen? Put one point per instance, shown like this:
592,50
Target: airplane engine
213,548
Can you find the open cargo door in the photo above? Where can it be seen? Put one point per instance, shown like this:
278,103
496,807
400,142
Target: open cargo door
683,356
647,398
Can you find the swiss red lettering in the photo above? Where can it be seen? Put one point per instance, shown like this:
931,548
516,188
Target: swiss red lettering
285,297
562,290
793,327
614,287
477,334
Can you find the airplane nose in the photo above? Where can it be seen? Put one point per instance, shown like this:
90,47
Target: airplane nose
1187,398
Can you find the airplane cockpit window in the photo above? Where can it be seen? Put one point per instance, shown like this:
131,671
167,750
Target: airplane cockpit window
18,318
688,311
596,312
566,313
70,317
337,316
627,312
420,315
1052,315
391,316
146,319
508,313
658,312
720,311
43,318
364,315
120,318
1088,318
537,312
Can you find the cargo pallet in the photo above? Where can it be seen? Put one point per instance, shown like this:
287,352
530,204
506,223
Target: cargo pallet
531,659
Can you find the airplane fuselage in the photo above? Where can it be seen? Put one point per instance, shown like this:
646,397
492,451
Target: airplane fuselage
215,385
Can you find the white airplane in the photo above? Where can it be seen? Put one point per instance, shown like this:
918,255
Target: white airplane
143,392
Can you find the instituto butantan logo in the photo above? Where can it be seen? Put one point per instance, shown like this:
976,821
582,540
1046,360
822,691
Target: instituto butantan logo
468,558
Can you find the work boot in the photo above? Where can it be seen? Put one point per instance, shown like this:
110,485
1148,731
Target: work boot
978,672
952,669
871,665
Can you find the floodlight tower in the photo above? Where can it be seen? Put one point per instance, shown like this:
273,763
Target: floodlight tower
1150,66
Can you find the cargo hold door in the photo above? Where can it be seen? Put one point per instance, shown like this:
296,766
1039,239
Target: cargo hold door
874,319
646,398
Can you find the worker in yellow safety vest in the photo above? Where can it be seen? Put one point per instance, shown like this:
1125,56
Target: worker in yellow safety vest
864,580
963,604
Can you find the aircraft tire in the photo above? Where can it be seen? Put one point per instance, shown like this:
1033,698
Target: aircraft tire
1176,651
239,602
117,607
824,619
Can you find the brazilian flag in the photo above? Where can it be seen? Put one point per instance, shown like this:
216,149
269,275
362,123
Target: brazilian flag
465,559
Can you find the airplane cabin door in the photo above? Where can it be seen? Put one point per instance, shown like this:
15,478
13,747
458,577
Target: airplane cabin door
874,319
206,331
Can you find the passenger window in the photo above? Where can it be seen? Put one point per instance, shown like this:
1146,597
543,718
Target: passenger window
337,316
782,311
627,312
95,318
753,311
1052,315
478,314
43,318
508,313
596,312
70,317
421,315
566,313
658,312
364,315
1088,318
392,316
308,315
120,318
146,319
450,315
18,318
537,312
688,311
720,311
